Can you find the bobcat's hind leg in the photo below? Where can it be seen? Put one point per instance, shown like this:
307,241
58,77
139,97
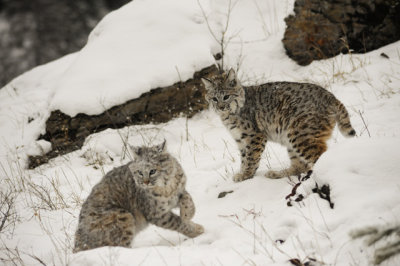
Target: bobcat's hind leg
297,166
303,154
108,228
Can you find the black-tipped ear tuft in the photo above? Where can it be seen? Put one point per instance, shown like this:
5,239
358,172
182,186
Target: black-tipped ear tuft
161,147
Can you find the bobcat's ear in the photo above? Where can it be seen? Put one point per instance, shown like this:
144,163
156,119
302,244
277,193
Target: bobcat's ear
136,151
207,84
242,93
161,147
231,75
231,78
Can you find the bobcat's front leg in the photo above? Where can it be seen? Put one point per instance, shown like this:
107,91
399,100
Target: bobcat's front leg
187,207
251,147
174,222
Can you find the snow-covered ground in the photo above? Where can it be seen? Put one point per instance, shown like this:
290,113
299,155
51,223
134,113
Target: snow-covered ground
145,44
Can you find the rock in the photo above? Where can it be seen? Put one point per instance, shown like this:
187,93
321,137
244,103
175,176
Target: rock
36,32
159,105
224,193
322,29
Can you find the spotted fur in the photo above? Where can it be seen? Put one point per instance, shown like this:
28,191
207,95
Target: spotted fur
131,196
300,116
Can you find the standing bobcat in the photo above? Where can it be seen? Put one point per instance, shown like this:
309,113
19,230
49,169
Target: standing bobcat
133,195
300,116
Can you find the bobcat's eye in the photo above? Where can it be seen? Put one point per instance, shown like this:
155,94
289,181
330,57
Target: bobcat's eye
140,173
226,97
215,99
152,171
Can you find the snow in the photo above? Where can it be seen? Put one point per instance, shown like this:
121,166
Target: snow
133,50
251,225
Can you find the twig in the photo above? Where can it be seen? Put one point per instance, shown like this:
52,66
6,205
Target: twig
293,192
187,105
223,41
36,258
7,212
366,127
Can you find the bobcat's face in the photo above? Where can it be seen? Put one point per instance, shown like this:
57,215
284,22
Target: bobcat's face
147,168
224,93
146,175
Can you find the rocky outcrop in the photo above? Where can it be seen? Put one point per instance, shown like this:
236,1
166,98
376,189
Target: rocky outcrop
324,28
159,105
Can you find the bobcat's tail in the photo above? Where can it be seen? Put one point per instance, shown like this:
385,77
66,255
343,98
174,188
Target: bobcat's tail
343,121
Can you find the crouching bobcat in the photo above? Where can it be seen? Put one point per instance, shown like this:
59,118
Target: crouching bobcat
300,116
133,195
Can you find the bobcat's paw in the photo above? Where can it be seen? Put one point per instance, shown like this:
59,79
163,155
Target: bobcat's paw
187,213
196,230
240,177
275,174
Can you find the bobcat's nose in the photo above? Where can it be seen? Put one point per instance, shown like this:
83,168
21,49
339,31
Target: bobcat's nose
146,182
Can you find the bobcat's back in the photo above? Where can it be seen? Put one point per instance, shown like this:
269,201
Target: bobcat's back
282,106
300,116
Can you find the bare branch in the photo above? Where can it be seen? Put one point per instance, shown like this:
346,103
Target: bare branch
7,202
224,40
